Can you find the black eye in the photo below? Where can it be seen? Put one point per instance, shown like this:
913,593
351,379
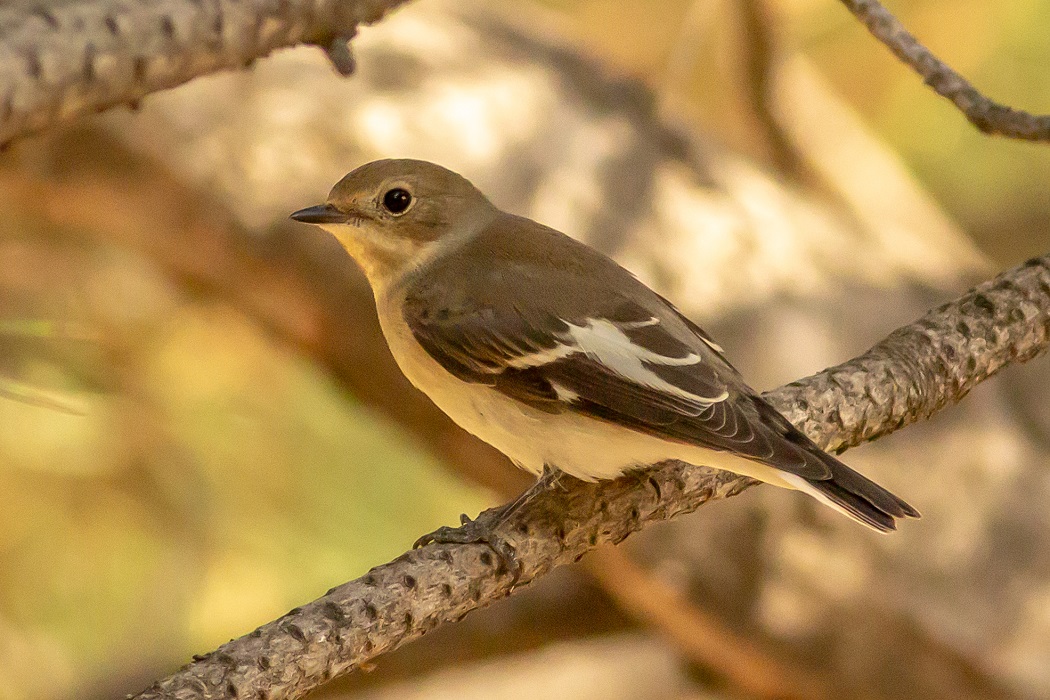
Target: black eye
397,200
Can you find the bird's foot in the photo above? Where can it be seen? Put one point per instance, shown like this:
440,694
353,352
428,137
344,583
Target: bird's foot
477,531
482,530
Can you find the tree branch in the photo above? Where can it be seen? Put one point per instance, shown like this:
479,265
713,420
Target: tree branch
911,374
59,61
987,115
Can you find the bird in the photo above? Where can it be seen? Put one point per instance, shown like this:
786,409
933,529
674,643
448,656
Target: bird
553,353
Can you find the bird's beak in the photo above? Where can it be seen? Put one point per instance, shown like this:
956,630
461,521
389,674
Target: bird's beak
321,214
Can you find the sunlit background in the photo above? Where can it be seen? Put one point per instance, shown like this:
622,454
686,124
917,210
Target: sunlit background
191,444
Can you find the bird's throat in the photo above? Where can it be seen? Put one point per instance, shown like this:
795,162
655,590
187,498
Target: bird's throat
382,257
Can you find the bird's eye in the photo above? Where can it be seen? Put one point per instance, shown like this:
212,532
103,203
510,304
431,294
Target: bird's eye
397,200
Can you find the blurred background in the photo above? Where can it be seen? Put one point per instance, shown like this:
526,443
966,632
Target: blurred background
202,427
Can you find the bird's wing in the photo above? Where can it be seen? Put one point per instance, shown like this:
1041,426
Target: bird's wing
637,363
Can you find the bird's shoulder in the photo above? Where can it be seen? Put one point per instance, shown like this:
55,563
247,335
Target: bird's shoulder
513,256
517,267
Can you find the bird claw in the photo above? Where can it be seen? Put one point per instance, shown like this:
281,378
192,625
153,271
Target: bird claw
476,532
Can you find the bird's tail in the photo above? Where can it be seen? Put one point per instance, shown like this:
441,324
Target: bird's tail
856,496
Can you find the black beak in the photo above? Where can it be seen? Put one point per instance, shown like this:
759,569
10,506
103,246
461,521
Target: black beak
321,214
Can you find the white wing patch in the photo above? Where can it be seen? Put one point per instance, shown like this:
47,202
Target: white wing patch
713,345
606,343
564,393
543,357
631,325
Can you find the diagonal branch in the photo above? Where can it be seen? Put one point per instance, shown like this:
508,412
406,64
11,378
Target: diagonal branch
987,115
59,61
911,374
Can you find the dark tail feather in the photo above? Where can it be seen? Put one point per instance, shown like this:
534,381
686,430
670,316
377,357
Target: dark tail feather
859,497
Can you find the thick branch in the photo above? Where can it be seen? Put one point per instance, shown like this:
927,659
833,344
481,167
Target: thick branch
59,61
987,115
910,375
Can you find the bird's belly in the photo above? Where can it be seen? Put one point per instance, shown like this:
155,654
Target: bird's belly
584,447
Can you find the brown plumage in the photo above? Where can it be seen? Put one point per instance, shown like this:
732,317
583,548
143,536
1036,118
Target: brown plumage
554,353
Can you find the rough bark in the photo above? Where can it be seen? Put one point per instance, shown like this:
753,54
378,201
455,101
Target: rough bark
61,60
915,371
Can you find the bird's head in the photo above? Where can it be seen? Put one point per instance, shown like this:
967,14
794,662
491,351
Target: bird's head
392,215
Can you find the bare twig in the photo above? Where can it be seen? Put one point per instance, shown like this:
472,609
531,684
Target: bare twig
915,371
987,115
59,61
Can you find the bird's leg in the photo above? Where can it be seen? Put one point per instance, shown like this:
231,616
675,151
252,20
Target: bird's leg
482,530
550,478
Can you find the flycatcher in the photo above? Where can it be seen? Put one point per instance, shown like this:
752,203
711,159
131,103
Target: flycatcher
553,353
